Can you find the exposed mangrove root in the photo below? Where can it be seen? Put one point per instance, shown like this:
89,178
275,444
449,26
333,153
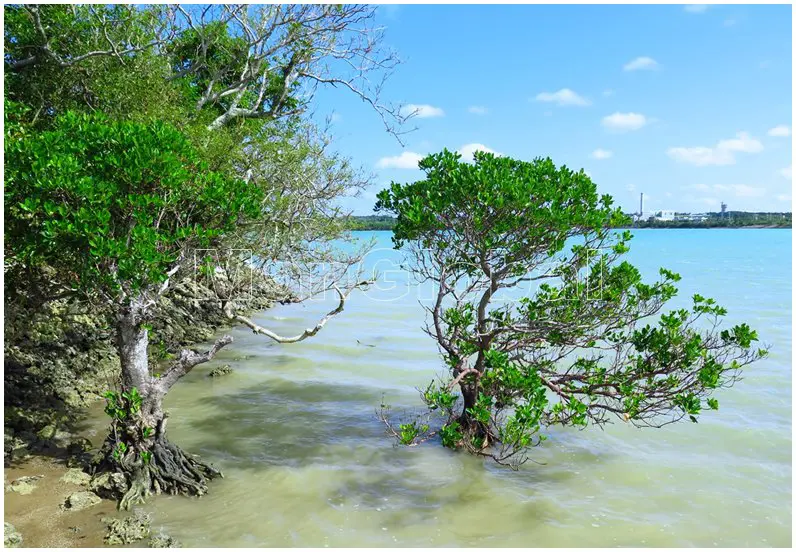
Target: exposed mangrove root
166,469
476,436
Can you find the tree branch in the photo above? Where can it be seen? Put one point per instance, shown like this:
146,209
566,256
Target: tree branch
462,375
62,62
309,332
188,359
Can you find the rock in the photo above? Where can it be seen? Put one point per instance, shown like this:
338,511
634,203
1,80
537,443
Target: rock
110,485
11,537
52,434
79,453
48,431
96,457
8,437
220,371
24,485
127,530
80,501
76,476
164,541
79,445
77,462
15,448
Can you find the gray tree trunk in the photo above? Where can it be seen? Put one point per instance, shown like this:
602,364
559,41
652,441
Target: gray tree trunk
137,445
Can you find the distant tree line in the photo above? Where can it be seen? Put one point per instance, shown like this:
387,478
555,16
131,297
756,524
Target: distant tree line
730,219
371,222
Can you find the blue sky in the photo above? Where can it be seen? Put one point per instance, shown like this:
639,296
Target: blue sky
691,106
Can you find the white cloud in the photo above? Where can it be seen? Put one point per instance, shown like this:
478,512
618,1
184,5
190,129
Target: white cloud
696,8
565,96
787,172
608,92
407,160
640,63
421,111
780,131
784,197
742,142
624,121
601,154
477,110
468,150
631,187
723,153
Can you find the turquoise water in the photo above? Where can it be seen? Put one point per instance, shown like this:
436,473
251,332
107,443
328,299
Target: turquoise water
308,463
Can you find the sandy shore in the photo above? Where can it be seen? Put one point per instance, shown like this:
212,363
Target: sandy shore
38,516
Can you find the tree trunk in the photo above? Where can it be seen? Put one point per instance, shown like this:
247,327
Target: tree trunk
470,396
472,429
137,445
132,341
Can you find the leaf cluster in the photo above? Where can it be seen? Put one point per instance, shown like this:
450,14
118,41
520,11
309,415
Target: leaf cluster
113,204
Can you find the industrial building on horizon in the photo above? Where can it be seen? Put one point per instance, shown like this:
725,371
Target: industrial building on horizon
668,215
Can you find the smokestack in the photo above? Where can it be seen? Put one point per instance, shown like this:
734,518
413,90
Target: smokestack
641,206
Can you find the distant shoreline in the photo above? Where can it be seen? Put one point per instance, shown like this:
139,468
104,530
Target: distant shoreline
734,219
747,227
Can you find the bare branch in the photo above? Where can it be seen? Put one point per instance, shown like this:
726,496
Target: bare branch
69,61
309,332
187,360
461,376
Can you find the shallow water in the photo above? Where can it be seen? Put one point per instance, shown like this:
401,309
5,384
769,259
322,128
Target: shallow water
307,462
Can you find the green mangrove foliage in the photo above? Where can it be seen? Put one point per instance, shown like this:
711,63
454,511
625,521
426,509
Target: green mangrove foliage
138,137
115,207
539,320
122,408
112,204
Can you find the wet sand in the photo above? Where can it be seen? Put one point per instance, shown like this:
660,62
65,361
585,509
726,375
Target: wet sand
38,516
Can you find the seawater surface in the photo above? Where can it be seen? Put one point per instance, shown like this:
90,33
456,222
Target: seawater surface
307,462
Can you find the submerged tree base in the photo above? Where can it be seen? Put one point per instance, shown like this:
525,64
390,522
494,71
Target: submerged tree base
168,470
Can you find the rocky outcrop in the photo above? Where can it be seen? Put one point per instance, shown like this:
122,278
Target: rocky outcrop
11,537
80,501
110,485
127,530
61,357
24,485
220,371
163,541
76,476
